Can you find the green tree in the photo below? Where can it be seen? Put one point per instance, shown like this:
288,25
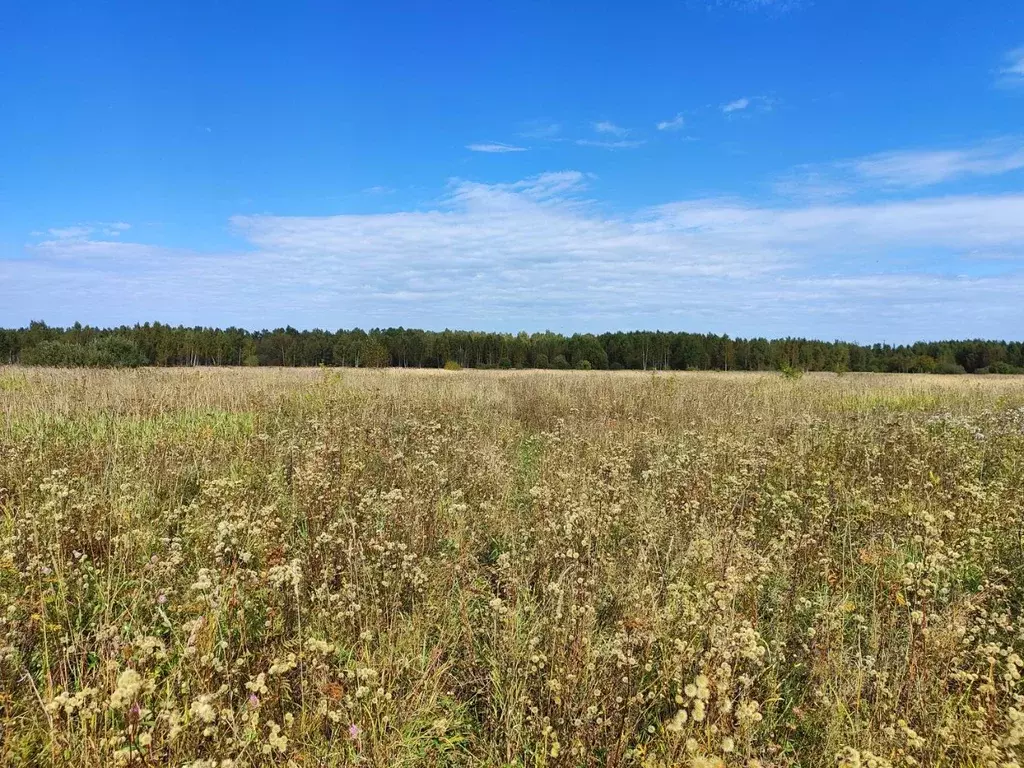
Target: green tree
373,354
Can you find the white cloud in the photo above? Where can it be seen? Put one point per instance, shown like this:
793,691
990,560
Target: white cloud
115,228
604,126
734,106
379,190
820,231
618,144
779,6
536,253
540,129
496,147
920,168
674,124
79,231
811,183
71,233
94,252
1012,72
748,104
904,169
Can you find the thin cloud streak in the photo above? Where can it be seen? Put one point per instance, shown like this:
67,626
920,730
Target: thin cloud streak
79,231
777,6
494,148
604,126
674,124
601,144
735,106
538,129
922,168
904,169
1012,73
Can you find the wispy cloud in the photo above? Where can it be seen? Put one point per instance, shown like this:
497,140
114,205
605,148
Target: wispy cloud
749,104
79,231
735,106
537,253
778,6
904,169
607,128
604,126
823,230
70,233
379,190
560,185
540,129
924,167
1011,74
674,124
812,184
494,147
607,144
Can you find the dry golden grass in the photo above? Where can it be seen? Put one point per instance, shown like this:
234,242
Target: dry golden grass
386,568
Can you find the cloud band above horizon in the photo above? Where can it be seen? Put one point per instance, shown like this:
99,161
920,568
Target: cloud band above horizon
538,254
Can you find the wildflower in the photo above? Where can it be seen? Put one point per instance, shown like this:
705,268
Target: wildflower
129,685
203,709
678,722
275,739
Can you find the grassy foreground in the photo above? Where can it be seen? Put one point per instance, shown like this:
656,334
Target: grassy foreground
294,567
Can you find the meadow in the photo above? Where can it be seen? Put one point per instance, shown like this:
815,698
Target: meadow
249,567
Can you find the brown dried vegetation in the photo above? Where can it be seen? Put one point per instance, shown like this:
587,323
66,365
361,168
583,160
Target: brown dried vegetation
221,568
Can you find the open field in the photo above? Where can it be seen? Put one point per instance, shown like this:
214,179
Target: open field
239,567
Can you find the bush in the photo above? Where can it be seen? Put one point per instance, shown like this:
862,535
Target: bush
790,372
1001,368
451,365
57,354
583,365
947,367
105,352
116,352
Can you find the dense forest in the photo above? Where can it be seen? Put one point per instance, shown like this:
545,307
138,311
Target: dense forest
165,345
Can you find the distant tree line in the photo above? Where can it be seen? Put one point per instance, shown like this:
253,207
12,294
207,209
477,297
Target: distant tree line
165,345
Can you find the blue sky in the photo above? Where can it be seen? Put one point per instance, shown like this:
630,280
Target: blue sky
825,168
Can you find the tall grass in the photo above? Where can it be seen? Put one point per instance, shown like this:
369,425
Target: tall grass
271,567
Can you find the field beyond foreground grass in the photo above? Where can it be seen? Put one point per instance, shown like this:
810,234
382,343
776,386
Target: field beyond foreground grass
291,567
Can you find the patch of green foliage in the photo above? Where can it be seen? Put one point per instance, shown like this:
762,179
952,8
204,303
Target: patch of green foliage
104,352
789,372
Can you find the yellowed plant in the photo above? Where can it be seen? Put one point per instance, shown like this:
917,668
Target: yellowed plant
244,567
